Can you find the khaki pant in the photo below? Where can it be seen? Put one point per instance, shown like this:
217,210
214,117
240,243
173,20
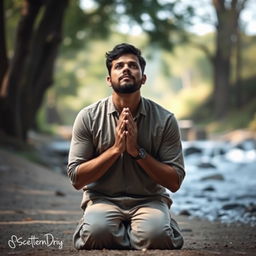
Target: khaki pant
127,224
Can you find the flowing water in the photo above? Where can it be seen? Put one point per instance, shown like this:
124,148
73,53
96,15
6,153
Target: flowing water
220,182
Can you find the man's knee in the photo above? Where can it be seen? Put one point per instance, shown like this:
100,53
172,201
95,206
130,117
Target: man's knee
93,236
156,239
97,230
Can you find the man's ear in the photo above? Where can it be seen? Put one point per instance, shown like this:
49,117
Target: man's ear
144,79
108,79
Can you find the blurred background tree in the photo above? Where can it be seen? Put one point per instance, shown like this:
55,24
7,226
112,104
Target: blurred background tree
36,90
231,90
227,41
30,72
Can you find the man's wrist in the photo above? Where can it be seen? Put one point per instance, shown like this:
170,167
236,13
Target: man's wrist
115,151
140,155
134,153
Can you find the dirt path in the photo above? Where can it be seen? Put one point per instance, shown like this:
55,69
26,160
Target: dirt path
39,210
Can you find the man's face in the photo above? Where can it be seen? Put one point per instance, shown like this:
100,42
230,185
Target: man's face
126,74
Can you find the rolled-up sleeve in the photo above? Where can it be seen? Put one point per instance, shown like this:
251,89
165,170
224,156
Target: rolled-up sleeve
171,149
81,147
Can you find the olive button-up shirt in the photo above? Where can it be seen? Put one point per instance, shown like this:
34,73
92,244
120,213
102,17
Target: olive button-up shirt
94,132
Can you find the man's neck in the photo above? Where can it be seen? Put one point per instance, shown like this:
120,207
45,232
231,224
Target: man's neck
130,101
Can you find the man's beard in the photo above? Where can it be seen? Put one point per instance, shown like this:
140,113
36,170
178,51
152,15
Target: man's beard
126,88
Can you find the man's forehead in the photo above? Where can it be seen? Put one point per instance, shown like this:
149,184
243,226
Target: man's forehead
127,58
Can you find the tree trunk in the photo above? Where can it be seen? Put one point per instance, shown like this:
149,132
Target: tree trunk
221,69
11,85
227,26
31,70
238,71
41,62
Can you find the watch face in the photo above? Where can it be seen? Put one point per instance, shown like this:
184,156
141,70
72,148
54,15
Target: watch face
142,153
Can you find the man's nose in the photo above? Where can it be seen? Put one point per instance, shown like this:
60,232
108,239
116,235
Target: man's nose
126,68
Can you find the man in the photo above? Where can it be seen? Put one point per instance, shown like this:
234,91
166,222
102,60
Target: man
125,151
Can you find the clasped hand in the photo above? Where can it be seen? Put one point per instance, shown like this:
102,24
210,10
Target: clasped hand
126,133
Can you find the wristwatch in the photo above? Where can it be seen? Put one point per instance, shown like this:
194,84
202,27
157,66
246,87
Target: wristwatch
141,155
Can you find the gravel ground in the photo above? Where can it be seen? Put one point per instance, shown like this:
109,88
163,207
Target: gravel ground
39,210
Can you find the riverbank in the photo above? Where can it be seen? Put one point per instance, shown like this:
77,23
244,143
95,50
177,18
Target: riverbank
41,206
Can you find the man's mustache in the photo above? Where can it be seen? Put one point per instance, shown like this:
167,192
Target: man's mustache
126,75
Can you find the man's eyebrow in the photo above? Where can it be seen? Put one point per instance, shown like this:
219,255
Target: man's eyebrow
130,61
120,61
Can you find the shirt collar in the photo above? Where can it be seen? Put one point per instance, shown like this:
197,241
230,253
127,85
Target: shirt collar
111,106
112,109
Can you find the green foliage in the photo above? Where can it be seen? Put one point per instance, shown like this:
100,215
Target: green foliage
252,125
12,15
179,78
248,56
83,24
74,26
162,21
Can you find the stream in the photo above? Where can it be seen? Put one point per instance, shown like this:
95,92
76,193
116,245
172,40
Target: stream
220,182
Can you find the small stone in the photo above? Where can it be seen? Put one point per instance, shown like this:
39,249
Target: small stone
186,230
144,250
205,165
59,193
218,177
209,188
185,213
232,206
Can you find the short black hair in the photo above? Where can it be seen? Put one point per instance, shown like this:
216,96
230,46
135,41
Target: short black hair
122,49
